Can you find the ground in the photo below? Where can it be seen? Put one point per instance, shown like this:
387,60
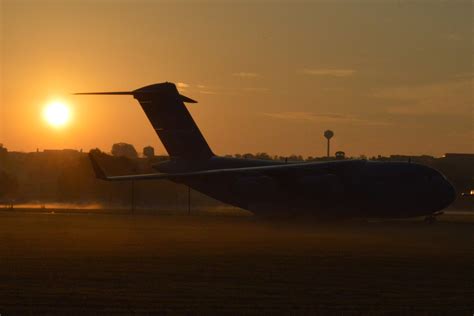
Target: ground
96,263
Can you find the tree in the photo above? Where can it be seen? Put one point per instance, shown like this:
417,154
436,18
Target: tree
124,150
263,156
95,151
295,158
149,152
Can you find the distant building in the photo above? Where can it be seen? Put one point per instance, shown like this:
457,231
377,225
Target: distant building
459,156
61,151
3,151
55,154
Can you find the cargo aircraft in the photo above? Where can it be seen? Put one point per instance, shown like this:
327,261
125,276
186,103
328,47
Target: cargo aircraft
337,189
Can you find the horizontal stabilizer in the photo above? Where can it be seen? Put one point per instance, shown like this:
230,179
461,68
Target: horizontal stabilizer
135,94
106,93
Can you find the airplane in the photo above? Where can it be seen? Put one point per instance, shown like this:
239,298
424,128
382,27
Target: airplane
328,189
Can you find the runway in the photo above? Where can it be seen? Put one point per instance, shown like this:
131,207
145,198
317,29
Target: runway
93,263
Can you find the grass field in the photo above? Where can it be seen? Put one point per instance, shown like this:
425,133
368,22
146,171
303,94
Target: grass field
93,263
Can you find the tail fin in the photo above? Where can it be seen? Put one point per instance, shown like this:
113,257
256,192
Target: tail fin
165,109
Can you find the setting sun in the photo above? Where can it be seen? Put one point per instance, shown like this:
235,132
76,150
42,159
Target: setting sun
57,113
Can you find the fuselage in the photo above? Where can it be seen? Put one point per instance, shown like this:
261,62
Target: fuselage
352,188
346,188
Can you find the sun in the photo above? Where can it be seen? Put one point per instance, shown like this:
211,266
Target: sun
57,113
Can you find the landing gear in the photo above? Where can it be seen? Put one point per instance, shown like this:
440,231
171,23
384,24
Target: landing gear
431,219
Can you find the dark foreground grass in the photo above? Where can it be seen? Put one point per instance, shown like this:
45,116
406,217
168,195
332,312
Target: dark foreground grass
118,263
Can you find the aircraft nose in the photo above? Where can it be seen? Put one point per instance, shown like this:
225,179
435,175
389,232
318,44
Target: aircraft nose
445,192
450,193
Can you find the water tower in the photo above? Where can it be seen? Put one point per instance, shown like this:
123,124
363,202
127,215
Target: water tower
328,134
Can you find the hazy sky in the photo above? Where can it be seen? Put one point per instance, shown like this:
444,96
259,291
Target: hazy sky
270,76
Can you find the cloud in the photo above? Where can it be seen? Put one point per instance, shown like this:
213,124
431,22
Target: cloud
182,85
453,37
464,75
207,92
448,98
329,72
324,118
256,89
249,75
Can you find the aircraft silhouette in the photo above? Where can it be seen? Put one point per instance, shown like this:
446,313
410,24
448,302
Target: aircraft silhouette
347,188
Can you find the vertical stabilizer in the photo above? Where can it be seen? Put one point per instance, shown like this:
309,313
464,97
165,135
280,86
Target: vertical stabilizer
165,109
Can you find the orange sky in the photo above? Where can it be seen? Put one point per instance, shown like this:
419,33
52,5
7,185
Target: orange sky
270,76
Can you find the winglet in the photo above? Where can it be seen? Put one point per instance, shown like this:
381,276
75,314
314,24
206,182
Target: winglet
99,172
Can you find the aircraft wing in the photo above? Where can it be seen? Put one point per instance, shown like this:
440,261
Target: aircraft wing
100,174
